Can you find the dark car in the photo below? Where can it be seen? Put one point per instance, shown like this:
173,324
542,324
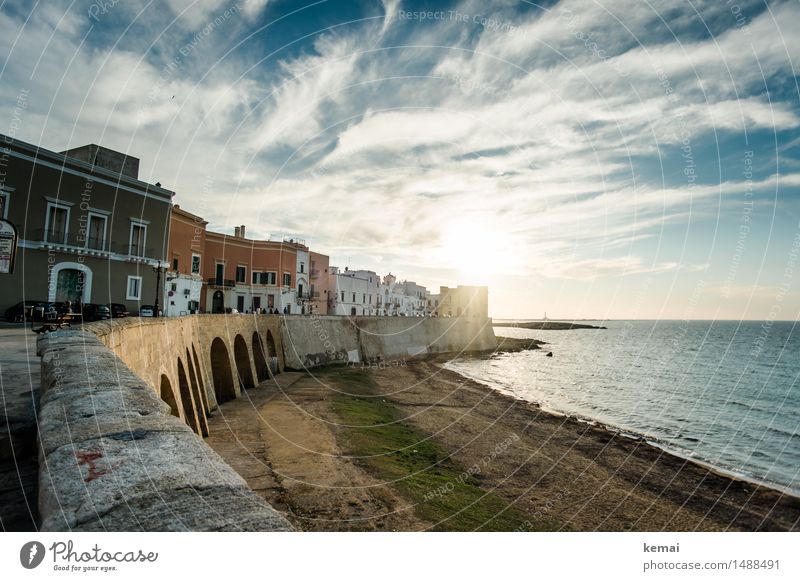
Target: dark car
95,312
25,311
118,310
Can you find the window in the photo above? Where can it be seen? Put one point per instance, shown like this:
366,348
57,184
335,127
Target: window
342,296
256,277
241,273
220,273
134,292
271,278
138,238
287,279
174,264
354,297
302,267
195,264
4,199
96,235
300,290
173,287
56,226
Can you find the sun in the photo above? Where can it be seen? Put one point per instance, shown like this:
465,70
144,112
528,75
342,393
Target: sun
479,250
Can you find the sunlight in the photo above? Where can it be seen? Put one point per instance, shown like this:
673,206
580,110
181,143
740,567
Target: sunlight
479,250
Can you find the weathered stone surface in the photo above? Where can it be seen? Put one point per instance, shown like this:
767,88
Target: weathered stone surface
112,458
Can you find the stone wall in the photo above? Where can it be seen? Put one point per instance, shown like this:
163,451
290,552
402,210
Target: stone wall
113,457
197,362
320,340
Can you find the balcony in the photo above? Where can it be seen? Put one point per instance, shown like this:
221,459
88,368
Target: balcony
304,296
221,282
80,244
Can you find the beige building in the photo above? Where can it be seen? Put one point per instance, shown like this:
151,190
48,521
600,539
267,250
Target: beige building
89,229
463,301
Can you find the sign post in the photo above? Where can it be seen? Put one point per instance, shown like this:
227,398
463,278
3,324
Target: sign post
8,247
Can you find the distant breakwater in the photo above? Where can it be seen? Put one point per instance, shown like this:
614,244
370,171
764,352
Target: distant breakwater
548,326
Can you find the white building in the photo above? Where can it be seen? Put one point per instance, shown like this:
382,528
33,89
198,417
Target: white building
353,292
182,294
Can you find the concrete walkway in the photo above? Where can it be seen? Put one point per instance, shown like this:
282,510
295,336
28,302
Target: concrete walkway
19,398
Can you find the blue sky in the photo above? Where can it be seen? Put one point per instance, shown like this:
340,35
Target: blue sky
589,159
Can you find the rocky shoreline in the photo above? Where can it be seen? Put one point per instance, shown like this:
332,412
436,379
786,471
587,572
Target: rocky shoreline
418,447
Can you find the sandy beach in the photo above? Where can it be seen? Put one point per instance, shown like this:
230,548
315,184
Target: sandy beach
411,446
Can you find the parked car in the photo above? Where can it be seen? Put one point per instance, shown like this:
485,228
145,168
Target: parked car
146,311
118,310
25,311
95,312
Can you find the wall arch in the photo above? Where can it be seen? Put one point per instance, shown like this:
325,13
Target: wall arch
200,381
243,367
166,394
224,388
262,372
273,352
187,402
202,424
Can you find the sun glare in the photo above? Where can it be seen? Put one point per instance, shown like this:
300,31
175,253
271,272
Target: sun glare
479,251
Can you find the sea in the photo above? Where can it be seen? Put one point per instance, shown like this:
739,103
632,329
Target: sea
723,393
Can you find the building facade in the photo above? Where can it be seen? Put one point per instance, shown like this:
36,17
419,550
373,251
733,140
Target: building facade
319,280
353,292
184,279
89,230
462,301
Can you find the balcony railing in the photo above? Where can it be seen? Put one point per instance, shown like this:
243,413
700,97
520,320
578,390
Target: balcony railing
221,282
74,241
304,296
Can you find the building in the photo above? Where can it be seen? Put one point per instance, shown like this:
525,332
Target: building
89,229
319,280
463,301
352,292
184,279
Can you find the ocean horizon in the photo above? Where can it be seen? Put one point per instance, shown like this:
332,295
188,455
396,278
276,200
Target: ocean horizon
722,393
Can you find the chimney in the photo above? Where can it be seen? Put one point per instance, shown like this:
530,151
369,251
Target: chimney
237,232
241,229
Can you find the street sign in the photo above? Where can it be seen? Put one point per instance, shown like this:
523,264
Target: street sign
8,247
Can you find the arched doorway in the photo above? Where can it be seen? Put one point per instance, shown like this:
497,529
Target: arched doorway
242,357
218,302
273,353
70,281
198,403
186,398
221,372
258,358
168,396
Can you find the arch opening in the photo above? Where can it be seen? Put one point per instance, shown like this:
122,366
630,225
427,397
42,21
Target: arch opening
273,353
262,373
242,358
221,373
198,403
186,398
166,394
201,382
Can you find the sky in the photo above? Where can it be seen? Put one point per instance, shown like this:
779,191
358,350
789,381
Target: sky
585,159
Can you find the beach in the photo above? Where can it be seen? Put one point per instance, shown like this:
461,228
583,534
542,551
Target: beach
410,446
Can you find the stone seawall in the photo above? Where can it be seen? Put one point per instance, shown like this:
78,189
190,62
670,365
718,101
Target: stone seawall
113,457
320,340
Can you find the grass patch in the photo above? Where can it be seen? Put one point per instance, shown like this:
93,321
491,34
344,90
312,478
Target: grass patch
443,491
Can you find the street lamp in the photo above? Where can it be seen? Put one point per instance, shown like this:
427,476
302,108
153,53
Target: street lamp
158,269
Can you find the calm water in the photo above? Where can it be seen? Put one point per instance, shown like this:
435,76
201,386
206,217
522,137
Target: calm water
727,393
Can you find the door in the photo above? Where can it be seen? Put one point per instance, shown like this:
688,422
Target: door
69,285
220,273
256,303
240,303
218,302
